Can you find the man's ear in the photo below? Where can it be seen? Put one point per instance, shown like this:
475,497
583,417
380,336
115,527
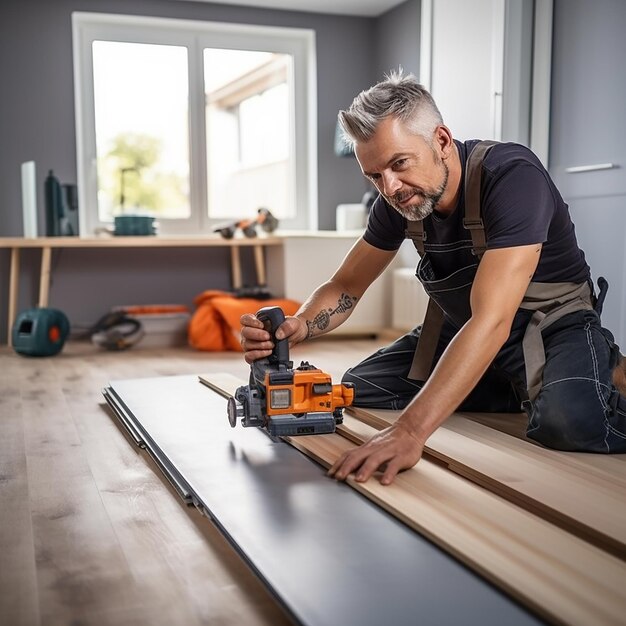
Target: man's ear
443,139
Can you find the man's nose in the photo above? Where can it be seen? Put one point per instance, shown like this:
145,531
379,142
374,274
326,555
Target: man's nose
391,183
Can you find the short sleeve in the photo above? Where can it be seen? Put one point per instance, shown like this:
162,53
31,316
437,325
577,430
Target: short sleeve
518,206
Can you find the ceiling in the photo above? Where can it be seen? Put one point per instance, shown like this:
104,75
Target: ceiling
365,8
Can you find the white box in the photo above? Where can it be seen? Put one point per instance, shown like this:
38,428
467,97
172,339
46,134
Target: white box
161,329
29,199
409,300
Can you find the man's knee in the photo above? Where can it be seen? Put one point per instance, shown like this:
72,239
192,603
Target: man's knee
379,391
380,380
576,417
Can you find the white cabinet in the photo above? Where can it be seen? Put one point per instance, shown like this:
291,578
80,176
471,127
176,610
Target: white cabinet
477,61
466,54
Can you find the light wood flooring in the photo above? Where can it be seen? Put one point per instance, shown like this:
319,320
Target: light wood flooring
90,530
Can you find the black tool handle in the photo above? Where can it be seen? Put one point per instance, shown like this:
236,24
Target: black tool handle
272,317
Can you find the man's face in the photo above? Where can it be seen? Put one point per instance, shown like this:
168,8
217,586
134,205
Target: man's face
405,169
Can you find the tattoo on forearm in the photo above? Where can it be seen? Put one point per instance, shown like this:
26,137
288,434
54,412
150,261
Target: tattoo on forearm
344,303
322,320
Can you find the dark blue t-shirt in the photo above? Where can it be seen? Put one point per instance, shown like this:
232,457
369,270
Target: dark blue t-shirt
519,206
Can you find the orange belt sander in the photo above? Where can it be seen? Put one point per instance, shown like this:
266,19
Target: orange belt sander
284,400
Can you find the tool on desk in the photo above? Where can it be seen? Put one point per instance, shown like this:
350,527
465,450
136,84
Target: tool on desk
264,219
134,225
284,400
61,208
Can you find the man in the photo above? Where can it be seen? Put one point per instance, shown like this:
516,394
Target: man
520,323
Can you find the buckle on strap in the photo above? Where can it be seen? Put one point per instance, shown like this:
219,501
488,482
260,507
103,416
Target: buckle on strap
477,231
419,235
471,224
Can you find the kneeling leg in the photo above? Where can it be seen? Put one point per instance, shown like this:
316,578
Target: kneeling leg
381,380
578,407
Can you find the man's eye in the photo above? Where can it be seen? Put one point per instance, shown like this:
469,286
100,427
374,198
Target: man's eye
399,163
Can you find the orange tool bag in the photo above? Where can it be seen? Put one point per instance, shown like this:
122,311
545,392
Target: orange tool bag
215,325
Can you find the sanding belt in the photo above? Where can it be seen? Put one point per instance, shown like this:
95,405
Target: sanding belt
549,301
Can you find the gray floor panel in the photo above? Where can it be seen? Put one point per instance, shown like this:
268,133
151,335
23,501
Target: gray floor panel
328,554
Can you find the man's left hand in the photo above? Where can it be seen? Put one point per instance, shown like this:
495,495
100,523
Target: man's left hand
396,448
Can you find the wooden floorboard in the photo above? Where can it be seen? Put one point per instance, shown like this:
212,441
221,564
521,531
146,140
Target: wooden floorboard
585,493
78,576
18,574
513,424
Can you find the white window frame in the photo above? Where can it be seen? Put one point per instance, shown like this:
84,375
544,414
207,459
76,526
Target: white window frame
196,35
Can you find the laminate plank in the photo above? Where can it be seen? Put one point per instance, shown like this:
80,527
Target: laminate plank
571,489
18,577
81,569
513,424
601,467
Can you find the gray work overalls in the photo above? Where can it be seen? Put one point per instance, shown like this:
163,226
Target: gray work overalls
525,372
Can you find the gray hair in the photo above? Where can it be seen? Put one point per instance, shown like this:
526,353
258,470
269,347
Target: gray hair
397,96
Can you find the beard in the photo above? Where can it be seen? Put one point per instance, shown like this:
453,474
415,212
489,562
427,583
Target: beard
425,202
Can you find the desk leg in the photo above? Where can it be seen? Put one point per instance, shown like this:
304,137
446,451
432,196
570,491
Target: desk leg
44,278
13,291
259,263
235,262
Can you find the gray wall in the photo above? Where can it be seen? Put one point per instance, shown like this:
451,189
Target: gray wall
397,39
37,123
588,127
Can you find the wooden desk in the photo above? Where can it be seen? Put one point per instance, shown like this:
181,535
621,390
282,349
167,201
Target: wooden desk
46,244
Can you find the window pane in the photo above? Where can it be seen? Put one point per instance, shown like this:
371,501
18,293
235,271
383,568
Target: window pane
142,129
249,129
264,136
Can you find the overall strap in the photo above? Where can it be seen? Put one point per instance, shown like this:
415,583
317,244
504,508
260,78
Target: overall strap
549,303
424,356
473,180
415,232
472,219
433,321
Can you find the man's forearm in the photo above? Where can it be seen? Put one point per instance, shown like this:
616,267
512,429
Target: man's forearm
328,307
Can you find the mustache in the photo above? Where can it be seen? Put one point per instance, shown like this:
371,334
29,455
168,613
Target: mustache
402,196
423,196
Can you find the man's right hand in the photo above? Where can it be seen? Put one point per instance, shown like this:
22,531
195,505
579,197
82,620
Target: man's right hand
257,342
